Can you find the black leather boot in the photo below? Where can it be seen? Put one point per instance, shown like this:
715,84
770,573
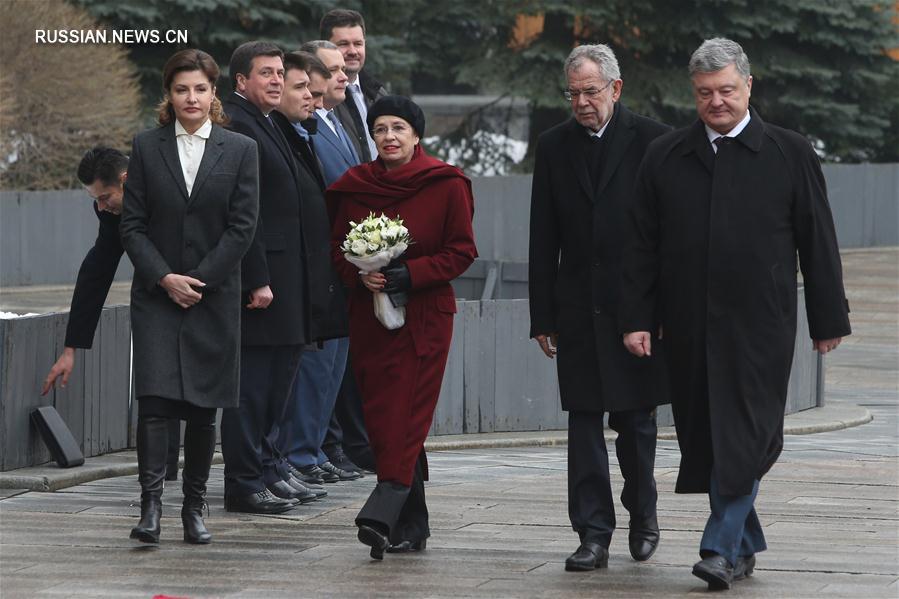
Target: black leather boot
171,469
152,447
199,447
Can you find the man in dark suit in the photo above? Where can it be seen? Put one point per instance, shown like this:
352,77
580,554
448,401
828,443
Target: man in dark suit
102,171
720,210
583,178
334,145
321,369
346,30
275,320
336,152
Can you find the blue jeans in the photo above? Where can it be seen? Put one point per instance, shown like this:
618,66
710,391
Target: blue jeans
733,529
303,430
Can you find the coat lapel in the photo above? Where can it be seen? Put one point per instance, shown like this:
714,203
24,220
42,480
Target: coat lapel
168,147
621,134
697,142
579,161
276,137
211,155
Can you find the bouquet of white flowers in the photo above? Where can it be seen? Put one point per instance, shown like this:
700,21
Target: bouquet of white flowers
371,245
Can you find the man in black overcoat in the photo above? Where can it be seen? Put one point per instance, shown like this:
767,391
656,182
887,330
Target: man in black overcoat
720,210
275,319
102,171
302,432
583,179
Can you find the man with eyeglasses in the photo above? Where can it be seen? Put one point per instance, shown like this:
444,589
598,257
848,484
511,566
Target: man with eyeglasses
583,180
721,208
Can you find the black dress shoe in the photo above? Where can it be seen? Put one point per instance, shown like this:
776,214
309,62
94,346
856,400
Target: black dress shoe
285,490
303,487
716,571
744,567
587,557
262,502
308,474
370,536
327,477
345,463
342,475
408,546
643,539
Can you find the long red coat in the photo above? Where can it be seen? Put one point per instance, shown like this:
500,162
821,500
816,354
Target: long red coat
399,372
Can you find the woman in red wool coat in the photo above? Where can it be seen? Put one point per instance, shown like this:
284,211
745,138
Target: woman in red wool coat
399,372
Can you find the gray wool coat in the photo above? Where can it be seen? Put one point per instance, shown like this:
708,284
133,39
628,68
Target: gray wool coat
189,354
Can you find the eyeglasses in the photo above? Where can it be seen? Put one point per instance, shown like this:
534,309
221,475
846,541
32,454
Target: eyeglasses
573,94
382,130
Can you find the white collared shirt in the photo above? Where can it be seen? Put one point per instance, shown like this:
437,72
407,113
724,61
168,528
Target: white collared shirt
598,134
190,150
713,135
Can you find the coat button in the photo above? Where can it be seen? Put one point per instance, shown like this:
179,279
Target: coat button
189,244
596,265
596,311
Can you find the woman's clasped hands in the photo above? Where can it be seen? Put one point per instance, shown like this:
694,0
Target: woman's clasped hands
182,289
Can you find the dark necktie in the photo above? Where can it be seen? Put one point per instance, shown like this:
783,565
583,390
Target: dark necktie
721,143
357,121
342,135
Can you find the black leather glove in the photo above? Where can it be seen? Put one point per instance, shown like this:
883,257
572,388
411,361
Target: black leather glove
398,283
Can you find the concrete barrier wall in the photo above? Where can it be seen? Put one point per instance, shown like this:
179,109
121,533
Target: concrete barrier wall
95,404
44,235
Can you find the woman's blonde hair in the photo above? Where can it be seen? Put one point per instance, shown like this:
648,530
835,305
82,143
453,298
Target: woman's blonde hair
189,60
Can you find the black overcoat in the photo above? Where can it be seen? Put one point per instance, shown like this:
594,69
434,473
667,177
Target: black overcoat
576,242
95,277
325,295
188,354
276,256
715,239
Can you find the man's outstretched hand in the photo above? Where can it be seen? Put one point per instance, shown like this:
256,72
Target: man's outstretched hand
62,368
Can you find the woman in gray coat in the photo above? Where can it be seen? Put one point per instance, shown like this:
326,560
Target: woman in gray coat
188,217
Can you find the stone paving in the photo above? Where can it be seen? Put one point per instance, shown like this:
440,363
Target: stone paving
830,509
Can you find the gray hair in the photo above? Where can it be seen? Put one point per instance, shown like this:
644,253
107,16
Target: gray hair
600,54
716,54
314,45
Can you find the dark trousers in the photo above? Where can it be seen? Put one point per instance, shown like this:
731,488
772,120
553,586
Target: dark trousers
733,529
398,511
309,412
346,430
590,504
266,377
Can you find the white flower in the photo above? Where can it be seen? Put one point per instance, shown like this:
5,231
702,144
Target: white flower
358,247
375,235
